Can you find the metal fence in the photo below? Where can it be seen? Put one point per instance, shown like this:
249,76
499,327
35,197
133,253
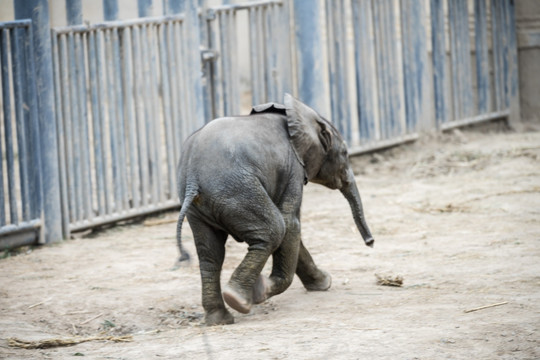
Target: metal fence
20,164
127,93
263,26
121,107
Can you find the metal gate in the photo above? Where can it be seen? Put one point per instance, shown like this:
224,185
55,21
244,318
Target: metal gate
258,31
122,112
20,164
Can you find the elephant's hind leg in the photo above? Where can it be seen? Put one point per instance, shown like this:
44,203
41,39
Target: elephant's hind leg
210,245
313,278
263,229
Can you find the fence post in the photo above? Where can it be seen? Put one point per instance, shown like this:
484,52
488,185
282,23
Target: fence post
515,110
145,8
195,114
38,11
309,55
74,12
110,10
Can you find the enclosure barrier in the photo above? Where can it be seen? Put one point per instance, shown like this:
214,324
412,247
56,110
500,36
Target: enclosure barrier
267,33
122,113
127,93
20,164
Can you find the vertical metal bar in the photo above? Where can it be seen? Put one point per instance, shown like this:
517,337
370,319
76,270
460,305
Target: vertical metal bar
22,146
110,10
140,117
58,96
381,70
74,119
268,40
38,11
185,114
254,61
113,121
5,89
149,126
515,115
166,107
193,59
145,8
74,12
262,50
36,190
66,126
364,67
101,66
225,62
155,117
482,61
8,121
453,20
120,120
505,53
217,71
311,87
131,125
438,57
414,50
408,16
96,122
234,76
466,92
86,186
284,46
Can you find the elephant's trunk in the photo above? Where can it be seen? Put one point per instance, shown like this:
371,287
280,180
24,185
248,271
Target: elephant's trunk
350,191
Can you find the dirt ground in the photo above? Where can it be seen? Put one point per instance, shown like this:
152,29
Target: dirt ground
458,217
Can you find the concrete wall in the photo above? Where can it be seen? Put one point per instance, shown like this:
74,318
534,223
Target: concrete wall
528,32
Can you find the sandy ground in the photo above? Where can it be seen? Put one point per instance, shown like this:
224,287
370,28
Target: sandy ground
457,217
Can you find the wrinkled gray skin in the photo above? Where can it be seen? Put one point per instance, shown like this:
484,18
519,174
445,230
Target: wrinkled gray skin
244,176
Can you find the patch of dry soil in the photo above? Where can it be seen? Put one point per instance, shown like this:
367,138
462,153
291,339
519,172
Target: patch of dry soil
457,217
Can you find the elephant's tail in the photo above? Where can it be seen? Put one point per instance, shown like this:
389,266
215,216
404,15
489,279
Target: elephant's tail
191,194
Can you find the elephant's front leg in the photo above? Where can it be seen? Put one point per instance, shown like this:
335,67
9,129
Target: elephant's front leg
210,245
313,278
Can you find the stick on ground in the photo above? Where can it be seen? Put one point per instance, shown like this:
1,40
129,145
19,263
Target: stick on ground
486,306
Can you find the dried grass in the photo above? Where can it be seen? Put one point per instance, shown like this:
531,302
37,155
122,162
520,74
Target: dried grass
389,280
50,343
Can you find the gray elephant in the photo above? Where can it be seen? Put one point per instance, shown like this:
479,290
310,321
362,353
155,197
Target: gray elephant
244,176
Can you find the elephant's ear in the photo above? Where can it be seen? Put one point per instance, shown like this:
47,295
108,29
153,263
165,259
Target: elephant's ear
268,108
309,133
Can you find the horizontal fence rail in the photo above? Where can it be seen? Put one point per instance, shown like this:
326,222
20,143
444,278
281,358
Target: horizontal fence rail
121,99
20,178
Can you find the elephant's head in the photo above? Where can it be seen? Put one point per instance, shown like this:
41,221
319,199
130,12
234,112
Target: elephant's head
323,153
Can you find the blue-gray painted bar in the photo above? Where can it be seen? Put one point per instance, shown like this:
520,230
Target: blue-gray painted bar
74,12
38,11
482,59
8,121
364,63
309,55
19,88
145,8
110,10
439,60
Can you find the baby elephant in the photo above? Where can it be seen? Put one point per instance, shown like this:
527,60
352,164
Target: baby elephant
244,176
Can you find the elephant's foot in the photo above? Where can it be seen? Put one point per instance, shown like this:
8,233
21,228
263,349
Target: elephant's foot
236,300
261,289
218,317
321,283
